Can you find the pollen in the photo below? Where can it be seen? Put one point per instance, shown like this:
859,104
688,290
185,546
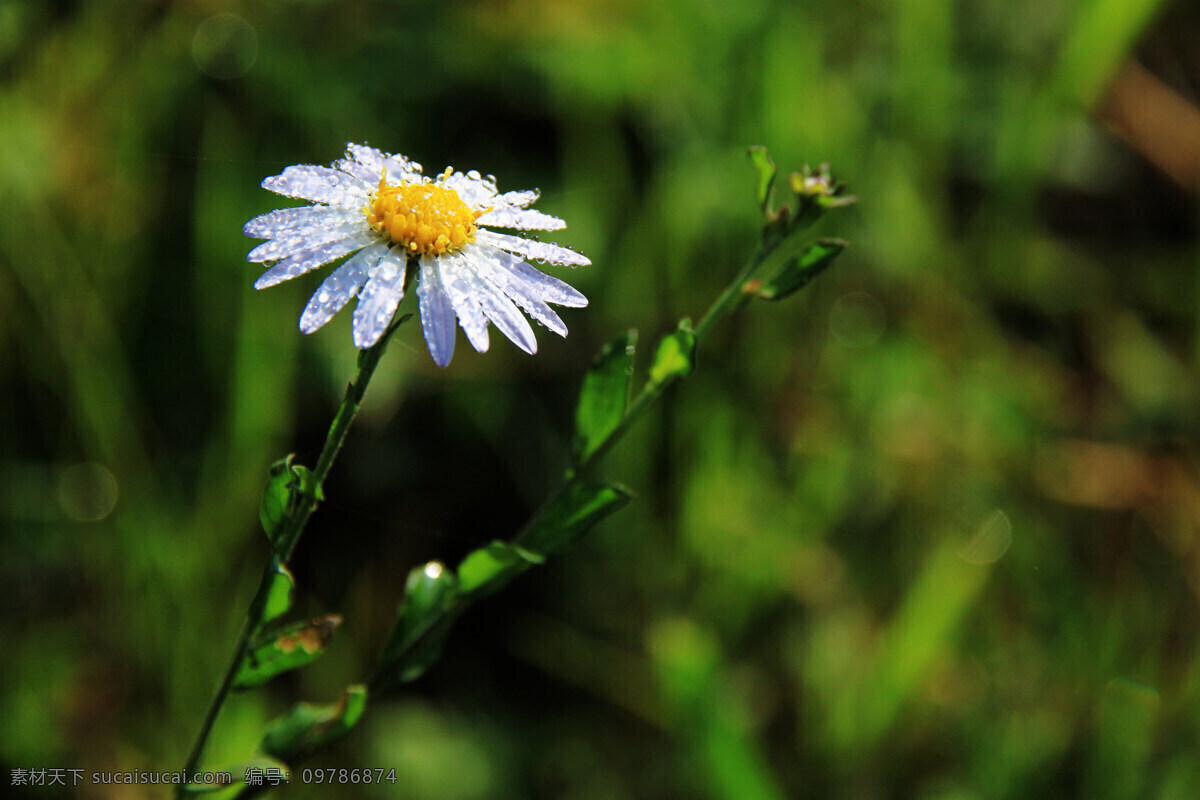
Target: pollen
424,218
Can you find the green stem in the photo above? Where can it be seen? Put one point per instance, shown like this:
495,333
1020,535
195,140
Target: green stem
730,300
286,543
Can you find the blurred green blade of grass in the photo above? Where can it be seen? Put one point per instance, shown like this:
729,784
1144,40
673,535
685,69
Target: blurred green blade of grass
1125,727
1102,34
923,628
708,716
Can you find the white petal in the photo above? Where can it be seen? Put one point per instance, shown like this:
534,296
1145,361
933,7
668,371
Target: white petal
549,288
308,260
520,199
539,311
522,219
504,315
543,314
397,166
378,301
471,187
437,315
537,283
305,239
365,154
458,281
283,221
541,251
520,290
340,286
319,184
364,174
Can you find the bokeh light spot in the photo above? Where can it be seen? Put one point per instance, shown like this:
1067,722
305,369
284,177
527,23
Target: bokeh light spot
990,541
857,319
225,46
87,492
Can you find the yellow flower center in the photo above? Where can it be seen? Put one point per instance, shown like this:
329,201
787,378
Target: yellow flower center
424,218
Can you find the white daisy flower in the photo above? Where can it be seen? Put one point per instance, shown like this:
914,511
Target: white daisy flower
380,208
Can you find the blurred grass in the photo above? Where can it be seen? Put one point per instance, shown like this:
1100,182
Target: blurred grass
813,595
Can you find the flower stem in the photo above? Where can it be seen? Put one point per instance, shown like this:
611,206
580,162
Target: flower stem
285,544
730,300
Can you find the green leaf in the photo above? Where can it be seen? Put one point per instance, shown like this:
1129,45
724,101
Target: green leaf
799,271
422,625
287,648
308,727
275,508
489,569
605,395
277,592
766,173
572,513
676,354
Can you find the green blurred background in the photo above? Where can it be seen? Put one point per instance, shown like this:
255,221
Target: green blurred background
928,530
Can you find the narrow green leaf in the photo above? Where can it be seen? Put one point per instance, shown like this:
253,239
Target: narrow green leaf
676,354
605,395
799,271
766,173
489,569
572,514
308,727
287,648
422,625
